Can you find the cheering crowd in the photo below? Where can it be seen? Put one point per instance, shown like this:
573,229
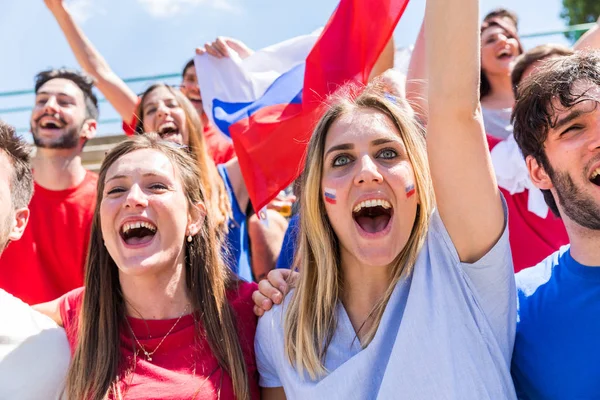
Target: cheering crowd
444,242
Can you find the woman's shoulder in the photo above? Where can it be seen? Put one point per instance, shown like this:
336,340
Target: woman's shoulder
70,303
240,299
70,306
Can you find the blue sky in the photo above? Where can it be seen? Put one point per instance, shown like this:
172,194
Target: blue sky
150,37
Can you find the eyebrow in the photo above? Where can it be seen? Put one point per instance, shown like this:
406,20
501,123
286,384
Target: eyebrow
56,93
572,115
379,142
350,146
112,178
345,146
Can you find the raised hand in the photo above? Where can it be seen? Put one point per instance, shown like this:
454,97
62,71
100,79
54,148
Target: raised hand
219,48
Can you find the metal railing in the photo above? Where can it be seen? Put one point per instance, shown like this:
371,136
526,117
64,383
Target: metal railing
164,77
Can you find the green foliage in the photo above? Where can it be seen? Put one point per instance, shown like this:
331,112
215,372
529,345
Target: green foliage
579,12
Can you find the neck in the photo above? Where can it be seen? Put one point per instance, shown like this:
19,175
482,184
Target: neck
501,94
161,296
364,286
584,244
58,169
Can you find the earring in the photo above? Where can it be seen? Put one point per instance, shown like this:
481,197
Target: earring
189,239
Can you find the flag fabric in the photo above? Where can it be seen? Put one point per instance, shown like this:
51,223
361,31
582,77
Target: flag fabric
269,102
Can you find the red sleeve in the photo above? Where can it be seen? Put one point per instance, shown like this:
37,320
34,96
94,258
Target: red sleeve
129,126
241,301
69,305
228,152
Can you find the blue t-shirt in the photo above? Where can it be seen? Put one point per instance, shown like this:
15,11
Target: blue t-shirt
288,247
446,333
557,346
236,248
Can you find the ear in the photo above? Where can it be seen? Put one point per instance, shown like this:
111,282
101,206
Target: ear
538,174
88,131
18,224
196,219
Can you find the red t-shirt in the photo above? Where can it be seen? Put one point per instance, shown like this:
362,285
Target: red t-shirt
170,376
218,146
531,238
49,259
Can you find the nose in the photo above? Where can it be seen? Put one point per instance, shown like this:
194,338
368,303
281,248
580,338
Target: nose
162,110
368,173
51,105
136,198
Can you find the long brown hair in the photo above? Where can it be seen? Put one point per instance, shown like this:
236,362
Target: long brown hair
310,320
94,371
218,200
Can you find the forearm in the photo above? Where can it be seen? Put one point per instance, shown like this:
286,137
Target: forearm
416,78
453,58
121,97
589,40
385,60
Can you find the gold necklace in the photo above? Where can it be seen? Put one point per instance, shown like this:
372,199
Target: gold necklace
149,354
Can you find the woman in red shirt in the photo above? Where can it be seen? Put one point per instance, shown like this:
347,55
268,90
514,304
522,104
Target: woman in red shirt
161,317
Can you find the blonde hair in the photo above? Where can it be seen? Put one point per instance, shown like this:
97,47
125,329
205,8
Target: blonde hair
218,200
94,371
310,320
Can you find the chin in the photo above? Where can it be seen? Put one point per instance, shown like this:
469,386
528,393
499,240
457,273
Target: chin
376,257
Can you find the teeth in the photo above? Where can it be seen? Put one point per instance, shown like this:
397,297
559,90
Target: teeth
595,173
373,203
135,225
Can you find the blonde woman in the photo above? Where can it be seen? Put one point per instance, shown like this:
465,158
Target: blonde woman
161,316
405,288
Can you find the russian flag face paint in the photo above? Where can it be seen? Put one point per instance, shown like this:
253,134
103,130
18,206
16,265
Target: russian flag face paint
410,190
330,196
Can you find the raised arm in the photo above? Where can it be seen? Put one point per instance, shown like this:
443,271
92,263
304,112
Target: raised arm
467,196
118,94
385,60
416,78
589,40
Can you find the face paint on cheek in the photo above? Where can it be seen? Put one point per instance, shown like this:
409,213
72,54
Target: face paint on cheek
410,190
330,196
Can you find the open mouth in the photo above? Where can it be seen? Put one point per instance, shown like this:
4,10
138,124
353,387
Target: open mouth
373,216
504,55
167,130
595,177
138,232
48,122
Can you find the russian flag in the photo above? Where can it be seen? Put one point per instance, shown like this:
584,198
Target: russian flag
269,102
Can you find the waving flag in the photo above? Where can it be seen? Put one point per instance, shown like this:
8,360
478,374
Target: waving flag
269,102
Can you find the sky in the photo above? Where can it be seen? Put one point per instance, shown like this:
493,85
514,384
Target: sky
154,37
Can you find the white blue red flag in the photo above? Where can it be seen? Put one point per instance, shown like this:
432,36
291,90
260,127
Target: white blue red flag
269,102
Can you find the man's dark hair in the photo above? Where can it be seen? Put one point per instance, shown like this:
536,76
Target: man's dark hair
187,65
534,55
537,99
503,13
83,82
17,152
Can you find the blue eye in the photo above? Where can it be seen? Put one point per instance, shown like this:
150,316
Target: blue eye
388,154
341,160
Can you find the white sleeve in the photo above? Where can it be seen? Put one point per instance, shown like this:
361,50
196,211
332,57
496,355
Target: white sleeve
264,347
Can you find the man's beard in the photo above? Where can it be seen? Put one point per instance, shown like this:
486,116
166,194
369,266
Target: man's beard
68,140
577,205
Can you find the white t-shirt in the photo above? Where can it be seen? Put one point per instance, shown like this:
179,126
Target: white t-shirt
34,353
447,333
